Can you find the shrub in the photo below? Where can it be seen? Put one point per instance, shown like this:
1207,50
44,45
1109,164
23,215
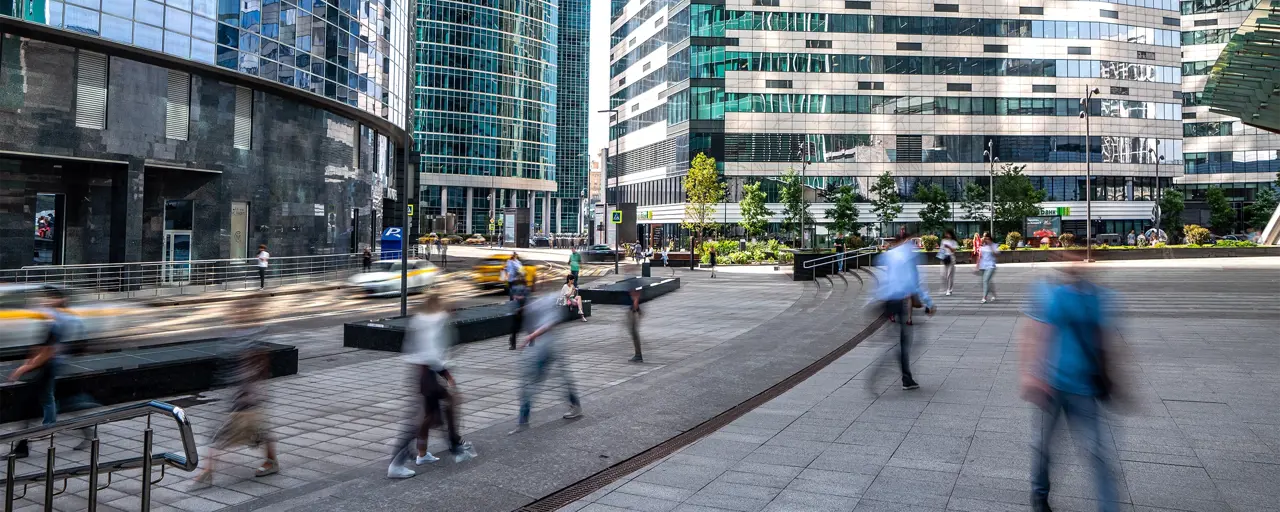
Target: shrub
785,257
1067,239
1196,234
1004,247
930,242
1012,238
1159,245
966,243
1234,243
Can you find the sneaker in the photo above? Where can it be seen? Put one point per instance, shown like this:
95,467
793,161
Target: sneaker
584,319
908,386
948,293
984,301
425,459
636,359
465,453
399,472
1040,504
520,427
575,411
268,468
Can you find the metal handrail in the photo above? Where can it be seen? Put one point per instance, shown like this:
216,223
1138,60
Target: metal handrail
840,256
188,460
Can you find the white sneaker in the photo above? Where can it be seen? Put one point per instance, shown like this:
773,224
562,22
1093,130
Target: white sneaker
948,293
425,459
399,472
466,452
575,411
984,301
520,427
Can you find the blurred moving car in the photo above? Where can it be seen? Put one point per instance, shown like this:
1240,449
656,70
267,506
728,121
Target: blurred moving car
24,318
383,278
600,252
488,273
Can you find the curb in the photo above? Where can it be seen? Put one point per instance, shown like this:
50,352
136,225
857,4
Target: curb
205,300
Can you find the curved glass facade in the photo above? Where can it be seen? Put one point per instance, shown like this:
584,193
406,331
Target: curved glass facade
485,100
349,51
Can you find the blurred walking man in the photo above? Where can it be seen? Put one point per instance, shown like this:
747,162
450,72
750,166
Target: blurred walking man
899,287
1064,372
46,362
633,320
542,356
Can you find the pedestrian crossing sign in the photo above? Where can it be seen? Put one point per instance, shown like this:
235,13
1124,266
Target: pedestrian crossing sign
410,209
617,217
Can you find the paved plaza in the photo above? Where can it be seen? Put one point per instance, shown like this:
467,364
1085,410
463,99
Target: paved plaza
1204,433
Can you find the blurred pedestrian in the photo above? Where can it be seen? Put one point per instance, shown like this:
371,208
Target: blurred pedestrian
987,265
246,423
1133,238
428,339
1065,355
977,244
263,258
897,292
633,320
46,362
543,355
713,262
575,263
947,253
366,259
666,259
517,294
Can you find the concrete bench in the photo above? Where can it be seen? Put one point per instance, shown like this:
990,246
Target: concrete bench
472,324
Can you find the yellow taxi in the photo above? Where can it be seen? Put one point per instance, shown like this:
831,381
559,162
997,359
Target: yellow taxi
24,318
488,273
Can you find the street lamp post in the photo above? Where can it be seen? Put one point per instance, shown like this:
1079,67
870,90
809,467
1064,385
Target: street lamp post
604,189
990,154
1085,103
804,164
1157,158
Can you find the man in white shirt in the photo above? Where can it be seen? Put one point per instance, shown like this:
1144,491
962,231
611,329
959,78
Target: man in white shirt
263,258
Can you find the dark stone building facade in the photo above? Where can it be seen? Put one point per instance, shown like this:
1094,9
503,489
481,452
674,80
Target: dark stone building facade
311,180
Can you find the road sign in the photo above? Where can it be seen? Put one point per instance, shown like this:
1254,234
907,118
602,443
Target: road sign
616,217
410,206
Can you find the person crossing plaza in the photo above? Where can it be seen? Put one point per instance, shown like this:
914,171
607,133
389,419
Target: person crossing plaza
543,355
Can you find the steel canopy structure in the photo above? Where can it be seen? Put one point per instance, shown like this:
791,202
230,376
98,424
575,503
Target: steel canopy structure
1245,81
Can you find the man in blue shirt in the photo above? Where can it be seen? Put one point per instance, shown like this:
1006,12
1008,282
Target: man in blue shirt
898,286
46,362
1064,361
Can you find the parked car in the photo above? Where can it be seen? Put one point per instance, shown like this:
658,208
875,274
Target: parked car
383,279
600,252
24,319
476,240
488,273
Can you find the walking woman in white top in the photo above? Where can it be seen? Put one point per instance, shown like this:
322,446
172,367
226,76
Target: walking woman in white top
987,264
947,253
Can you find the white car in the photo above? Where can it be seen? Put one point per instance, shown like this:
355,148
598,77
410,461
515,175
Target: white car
24,319
383,278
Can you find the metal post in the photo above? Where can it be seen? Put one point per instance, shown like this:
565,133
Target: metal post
146,466
10,475
411,87
1085,104
94,455
1158,209
48,477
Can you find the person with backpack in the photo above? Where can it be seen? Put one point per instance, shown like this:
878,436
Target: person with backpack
1065,356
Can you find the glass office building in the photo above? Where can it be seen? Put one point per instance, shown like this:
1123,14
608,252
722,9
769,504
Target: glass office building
485,110
572,156
180,130
856,89
1220,149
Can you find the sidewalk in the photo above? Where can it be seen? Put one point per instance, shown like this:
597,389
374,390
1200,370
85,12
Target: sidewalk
1204,435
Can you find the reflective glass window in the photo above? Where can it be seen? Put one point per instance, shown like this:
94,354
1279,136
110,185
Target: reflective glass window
148,37
151,13
177,44
117,29
177,20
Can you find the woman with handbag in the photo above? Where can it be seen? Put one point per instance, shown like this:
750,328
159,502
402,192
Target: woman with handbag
1065,373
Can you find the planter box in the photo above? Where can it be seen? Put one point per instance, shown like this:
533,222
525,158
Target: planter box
619,293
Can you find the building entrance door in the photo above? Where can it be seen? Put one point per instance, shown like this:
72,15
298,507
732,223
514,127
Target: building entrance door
177,257
48,223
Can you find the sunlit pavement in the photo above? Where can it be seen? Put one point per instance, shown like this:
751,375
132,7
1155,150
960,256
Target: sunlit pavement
1204,363
1203,434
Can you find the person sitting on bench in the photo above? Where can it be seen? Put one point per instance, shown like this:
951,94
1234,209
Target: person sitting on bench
569,297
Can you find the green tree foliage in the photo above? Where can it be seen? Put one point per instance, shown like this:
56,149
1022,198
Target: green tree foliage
702,189
1172,202
935,210
1264,205
795,208
1196,234
885,201
1222,218
755,216
844,212
975,203
1016,198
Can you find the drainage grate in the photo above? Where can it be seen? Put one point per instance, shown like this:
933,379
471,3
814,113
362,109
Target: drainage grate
593,483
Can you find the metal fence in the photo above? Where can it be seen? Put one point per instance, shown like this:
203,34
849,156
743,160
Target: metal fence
110,281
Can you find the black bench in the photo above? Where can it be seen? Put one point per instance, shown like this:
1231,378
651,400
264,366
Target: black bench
472,324
619,292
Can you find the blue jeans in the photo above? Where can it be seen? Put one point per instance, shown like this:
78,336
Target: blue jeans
48,402
543,359
1082,414
988,287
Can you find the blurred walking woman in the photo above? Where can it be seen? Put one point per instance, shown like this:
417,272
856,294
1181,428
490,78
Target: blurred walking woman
947,253
987,264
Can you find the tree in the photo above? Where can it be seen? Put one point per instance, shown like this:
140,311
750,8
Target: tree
1264,205
844,213
976,204
1016,198
935,210
795,208
1171,205
1222,218
885,201
703,190
755,216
